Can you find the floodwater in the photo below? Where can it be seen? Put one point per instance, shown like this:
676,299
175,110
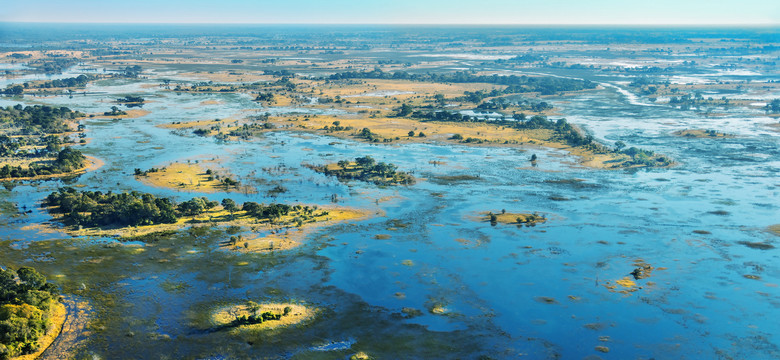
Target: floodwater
506,291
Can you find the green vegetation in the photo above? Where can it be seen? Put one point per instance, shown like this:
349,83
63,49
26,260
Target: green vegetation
115,112
93,208
25,301
563,132
515,84
97,209
254,317
79,81
35,120
67,160
366,169
30,136
131,99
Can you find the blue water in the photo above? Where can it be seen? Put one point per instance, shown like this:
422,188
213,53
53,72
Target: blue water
492,280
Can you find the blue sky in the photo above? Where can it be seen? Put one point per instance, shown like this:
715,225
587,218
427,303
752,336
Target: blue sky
631,12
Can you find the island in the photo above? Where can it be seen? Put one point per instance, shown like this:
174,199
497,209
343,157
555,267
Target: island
31,314
132,215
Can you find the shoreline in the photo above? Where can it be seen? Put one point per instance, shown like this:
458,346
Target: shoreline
92,164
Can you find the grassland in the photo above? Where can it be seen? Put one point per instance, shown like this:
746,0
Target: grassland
701,133
192,177
223,316
508,218
283,233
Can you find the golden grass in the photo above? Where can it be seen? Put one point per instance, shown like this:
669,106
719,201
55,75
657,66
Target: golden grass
90,164
298,314
416,87
701,133
511,218
279,235
187,177
57,315
775,229
131,114
196,124
495,135
227,77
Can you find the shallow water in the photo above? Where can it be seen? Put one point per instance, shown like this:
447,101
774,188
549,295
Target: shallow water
506,290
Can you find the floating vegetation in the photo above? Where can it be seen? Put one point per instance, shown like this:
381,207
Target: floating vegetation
438,309
719,212
643,270
361,356
382,236
411,312
407,263
453,179
594,326
175,287
603,349
576,184
702,232
546,300
757,245
752,277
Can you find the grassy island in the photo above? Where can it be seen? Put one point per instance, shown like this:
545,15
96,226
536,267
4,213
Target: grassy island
366,169
701,133
248,319
508,218
134,214
190,177
34,142
31,314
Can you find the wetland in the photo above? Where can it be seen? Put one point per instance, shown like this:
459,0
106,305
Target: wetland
362,192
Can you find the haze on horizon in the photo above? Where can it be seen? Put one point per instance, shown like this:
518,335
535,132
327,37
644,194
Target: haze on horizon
515,12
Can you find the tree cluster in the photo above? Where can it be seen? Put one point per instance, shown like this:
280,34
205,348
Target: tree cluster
67,160
365,168
36,119
94,208
25,300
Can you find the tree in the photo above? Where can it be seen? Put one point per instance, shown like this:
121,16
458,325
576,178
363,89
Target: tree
192,207
229,205
31,279
411,133
405,110
253,307
365,162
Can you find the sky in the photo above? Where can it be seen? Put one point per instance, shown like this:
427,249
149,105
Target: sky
522,12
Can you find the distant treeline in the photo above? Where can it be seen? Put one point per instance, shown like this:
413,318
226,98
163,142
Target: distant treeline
515,84
78,81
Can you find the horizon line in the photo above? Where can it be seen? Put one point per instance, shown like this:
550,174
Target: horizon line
398,24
